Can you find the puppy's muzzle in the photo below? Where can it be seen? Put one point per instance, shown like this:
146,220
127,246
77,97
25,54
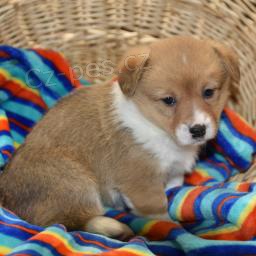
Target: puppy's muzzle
197,131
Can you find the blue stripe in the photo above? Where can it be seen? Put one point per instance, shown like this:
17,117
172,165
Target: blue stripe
45,74
28,252
245,150
19,55
18,129
8,147
236,132
25,110
62,78
41,245
6,133
215,171
15,232
21,119
224,250
16,98
198,201
166,250
232,153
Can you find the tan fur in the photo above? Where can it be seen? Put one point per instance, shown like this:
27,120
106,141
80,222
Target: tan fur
78,155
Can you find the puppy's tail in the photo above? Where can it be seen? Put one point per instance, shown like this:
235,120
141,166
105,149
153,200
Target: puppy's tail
108,227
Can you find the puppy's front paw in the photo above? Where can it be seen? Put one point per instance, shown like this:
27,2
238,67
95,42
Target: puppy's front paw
175,181
109,227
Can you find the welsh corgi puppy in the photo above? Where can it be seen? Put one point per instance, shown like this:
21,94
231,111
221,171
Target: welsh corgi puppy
123,142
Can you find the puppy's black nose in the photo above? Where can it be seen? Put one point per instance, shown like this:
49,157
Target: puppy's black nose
197,131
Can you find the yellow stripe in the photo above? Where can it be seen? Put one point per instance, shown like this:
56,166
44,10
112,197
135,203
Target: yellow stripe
220,231
131,250
16,144
248,209
66,243
203,172
21,83
4,250
181,203
147,227
3,118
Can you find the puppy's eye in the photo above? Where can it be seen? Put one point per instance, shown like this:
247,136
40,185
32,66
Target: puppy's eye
170,101
208,93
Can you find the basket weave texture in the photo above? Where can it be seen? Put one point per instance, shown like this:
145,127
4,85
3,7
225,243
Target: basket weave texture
99,31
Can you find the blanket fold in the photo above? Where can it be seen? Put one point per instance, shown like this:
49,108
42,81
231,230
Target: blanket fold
209,215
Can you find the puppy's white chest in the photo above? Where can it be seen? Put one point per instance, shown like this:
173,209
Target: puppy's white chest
170,157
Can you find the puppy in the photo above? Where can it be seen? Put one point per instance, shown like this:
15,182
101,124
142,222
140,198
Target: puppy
123,142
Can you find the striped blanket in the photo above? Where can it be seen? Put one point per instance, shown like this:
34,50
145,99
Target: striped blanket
210,216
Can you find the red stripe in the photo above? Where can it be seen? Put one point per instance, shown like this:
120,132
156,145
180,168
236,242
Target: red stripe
240,125
221,151
28,129
31,231
60,63
92,242
56,243
187,210
244,187
195,178
246,232
120,215
4,54
118,253
160,230
4,125
228,171
219,208
6,152
18,91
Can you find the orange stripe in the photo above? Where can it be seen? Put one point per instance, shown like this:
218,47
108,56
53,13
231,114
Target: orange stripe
31,231
118,253
6,152
61,64
187,210
240,124
160,230
119,216
4,125
18,91
92,242
58,244
195,178
244,187
246,232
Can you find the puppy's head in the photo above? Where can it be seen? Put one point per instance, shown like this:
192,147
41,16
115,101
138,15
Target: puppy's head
181,85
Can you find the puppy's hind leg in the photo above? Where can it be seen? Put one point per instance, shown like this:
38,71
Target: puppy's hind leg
75,202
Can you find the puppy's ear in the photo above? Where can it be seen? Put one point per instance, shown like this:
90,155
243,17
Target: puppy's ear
230,61
131,69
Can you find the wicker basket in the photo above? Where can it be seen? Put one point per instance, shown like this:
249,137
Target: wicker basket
98,31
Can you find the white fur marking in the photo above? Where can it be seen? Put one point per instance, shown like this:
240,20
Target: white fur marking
175,182
108,227
171,157
199,117
203,118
